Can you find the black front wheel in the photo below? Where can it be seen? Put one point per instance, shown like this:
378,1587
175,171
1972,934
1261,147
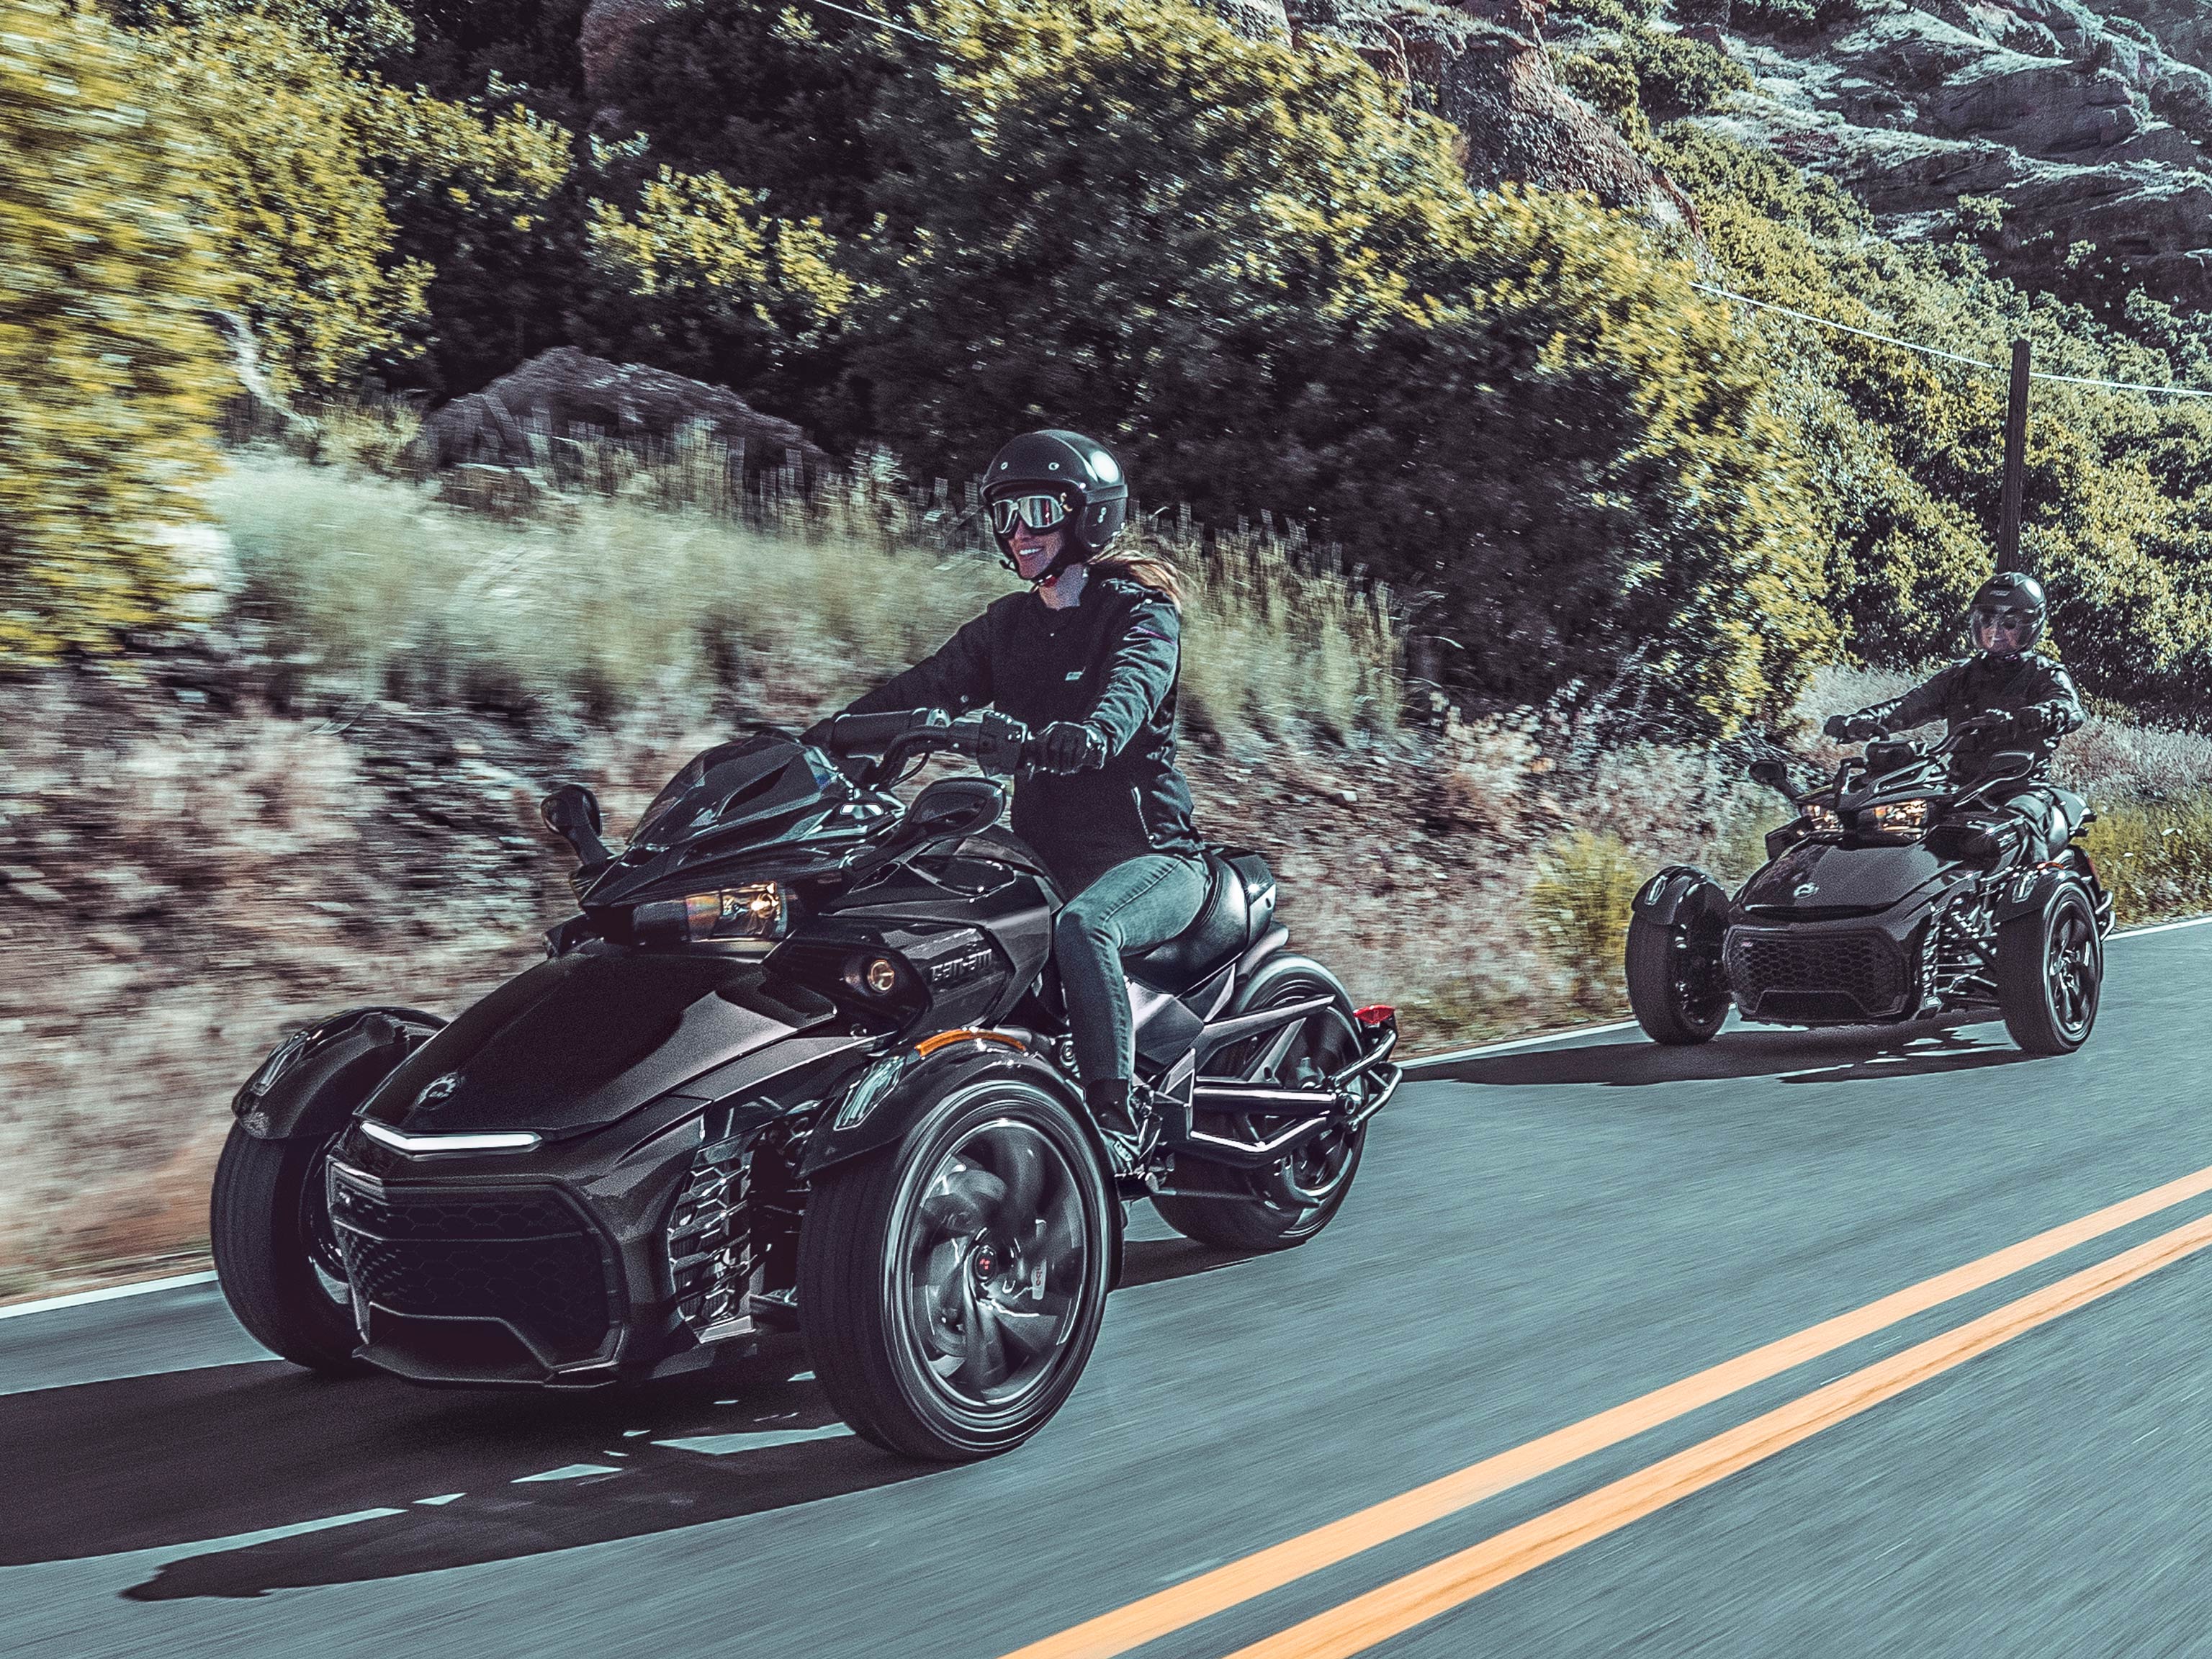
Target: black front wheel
1676,985
2051,973
276,1256
951,1288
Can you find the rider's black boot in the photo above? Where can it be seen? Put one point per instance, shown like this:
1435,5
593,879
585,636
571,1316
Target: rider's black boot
1126,1118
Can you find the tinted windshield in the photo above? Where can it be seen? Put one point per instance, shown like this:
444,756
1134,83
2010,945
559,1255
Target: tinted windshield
766,774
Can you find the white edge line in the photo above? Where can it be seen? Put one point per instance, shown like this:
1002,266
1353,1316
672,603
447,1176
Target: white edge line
113,1291
110,1294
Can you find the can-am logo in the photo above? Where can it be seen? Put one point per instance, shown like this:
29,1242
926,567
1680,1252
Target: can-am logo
437,1089
1805,889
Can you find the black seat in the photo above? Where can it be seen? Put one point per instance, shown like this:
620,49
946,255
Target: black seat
1219,935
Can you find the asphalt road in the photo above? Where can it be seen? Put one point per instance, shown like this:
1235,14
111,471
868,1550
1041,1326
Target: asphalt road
1537,1237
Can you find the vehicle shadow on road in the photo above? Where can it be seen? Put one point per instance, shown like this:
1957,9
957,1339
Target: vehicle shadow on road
1846,1054
1156,1261
156,1463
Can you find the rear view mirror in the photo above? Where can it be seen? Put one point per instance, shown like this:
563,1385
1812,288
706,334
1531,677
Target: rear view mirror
1771,773
572,812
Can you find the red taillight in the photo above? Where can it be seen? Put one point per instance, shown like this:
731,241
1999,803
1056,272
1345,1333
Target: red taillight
1375,1013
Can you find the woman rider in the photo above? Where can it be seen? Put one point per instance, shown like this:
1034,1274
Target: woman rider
1087,660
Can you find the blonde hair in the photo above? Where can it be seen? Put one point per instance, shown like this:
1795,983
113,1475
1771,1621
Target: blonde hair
1142,567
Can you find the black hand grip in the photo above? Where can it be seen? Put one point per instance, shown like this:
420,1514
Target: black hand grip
866,734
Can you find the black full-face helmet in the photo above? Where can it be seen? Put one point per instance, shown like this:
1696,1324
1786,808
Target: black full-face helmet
1052,480
2008,614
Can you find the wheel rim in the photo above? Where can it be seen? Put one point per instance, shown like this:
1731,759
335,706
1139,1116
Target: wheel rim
995,1257
2069,954
1700,992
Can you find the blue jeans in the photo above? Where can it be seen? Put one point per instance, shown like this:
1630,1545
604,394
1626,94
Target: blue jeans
1139,902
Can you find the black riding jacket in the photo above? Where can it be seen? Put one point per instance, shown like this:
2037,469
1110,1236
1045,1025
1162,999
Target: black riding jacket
1980,683
1108,662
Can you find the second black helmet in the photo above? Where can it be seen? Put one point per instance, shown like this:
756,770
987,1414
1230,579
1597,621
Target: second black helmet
2008,614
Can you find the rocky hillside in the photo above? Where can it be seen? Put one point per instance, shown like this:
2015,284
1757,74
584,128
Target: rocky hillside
2074,125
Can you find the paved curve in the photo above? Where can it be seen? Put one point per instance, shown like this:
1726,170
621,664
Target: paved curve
1537,1236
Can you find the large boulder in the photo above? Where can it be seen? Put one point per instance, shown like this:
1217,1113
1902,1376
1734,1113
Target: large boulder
566,393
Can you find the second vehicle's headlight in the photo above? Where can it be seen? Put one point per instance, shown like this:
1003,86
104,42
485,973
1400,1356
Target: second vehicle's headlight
758,909
1898,818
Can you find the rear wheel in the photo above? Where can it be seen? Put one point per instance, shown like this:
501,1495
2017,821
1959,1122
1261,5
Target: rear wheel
951,1288
275,1253
1676,986
2050,972
1273,1209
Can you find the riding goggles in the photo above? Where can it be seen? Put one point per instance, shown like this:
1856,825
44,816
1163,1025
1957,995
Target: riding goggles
1039,513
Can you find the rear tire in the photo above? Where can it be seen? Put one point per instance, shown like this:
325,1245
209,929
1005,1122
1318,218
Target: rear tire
951,1288
1292,1202
1677,999
2051,973
268,1222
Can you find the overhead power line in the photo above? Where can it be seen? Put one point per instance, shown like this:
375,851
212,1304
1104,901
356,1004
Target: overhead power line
1949,356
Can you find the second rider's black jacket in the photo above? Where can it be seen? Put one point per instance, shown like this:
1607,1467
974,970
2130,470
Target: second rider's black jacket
2015,684
1110,662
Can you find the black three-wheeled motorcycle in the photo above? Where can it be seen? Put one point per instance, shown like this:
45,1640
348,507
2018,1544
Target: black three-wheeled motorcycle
1898,892
799,1061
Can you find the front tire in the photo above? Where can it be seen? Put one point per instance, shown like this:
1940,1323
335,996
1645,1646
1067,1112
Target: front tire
274,1256
951,1288
1676,987
2051,973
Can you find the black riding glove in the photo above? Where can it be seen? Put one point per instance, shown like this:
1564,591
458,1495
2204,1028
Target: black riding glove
1852,728
1068,746
817,736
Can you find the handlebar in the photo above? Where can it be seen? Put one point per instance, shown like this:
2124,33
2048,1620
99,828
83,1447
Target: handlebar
1001,743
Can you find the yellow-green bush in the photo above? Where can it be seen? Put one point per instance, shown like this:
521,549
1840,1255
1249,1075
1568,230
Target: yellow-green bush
694,279
2155,857
110,375
1580,904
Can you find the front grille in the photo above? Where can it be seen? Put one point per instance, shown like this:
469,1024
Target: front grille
1817,976
522,1255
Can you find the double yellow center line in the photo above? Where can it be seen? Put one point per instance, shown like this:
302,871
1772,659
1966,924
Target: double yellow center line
1396,1607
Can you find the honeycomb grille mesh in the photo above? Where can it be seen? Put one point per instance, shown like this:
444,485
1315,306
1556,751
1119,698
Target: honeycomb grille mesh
1819,976
522,1257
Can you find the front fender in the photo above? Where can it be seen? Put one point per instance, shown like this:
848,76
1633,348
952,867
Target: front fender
1682,893
891,1094
2029,892
312,1081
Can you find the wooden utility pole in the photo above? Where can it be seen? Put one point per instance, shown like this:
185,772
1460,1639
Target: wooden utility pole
2015,460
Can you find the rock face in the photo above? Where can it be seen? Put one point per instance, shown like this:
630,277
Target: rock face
565,393
1481,64
1521,126
2086,126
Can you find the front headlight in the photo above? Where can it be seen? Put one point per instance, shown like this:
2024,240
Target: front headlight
759,910
1821,820
756,910
1898,818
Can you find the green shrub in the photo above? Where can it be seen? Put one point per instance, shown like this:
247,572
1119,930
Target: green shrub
110,376
1580,905
2155,857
